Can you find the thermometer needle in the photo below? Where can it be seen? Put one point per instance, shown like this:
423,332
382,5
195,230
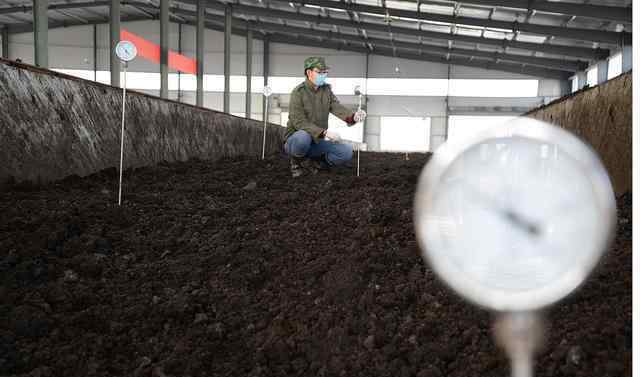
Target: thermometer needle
514,218
520,222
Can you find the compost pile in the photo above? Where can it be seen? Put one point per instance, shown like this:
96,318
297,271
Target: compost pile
230,268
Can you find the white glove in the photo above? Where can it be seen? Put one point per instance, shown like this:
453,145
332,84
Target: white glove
332,136
359,116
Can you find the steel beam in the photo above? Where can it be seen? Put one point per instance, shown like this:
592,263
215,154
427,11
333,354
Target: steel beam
249,74
601,12
566,65
563,50
41,33
477,63
29,8
28,27
164,48
288,38
396,30
114,32
340,45
200,53
558,31
228,21
5,43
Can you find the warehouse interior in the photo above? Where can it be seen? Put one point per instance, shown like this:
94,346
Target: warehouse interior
216,262
361,48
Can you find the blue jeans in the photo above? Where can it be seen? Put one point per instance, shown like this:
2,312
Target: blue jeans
301,144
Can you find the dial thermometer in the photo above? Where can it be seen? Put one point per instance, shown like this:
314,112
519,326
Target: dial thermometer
266,91
125,51
514,218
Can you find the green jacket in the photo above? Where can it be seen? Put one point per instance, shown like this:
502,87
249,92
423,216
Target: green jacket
309,109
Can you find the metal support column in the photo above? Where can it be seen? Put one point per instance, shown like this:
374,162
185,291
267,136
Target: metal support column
5,43
227,58
114,32
249,67
179,52
565,87
200,52
95,52
446,104
603,71
582,79
627,58
265,75
41,32
366,97
164,48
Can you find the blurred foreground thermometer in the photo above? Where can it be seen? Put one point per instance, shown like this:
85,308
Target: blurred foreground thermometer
514,219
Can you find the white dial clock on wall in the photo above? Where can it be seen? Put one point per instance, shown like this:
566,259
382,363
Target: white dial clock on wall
515,218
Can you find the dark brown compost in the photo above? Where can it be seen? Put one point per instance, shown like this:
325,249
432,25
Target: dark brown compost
230,268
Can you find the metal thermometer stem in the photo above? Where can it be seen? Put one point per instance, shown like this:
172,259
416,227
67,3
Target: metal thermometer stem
360,144
124,93
264,131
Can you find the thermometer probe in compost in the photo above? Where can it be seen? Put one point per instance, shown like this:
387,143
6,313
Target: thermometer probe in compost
126,52
267,93
514,219
359,94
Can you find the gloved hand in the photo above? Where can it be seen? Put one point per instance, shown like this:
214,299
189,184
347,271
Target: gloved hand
350,122
360,116
332,136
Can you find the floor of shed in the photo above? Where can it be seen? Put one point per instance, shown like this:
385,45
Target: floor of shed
199,274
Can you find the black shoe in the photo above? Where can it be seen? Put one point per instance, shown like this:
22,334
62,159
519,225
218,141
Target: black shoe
297,170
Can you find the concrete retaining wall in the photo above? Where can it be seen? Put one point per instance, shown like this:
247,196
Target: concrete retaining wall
52,126
601,116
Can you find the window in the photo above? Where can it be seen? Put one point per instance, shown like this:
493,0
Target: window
461,126
341,85
493,88
404,134
615,66
592,76
574,84
284,118
353,133
83,74
407,87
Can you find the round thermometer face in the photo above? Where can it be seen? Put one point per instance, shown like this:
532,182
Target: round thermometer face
126,51
266,91
516,218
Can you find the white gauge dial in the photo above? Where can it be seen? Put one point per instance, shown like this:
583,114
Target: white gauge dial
266,91
517,218
126,51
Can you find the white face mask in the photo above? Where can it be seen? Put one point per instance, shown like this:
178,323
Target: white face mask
318,78
321,79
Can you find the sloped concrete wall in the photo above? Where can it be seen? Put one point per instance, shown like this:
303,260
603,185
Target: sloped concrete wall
52,126
601,116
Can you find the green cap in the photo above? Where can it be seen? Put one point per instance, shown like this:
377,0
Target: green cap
315,62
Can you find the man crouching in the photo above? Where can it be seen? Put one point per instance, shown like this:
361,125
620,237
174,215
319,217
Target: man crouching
307,133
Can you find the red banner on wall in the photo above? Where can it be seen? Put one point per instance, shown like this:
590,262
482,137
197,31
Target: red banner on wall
151,51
